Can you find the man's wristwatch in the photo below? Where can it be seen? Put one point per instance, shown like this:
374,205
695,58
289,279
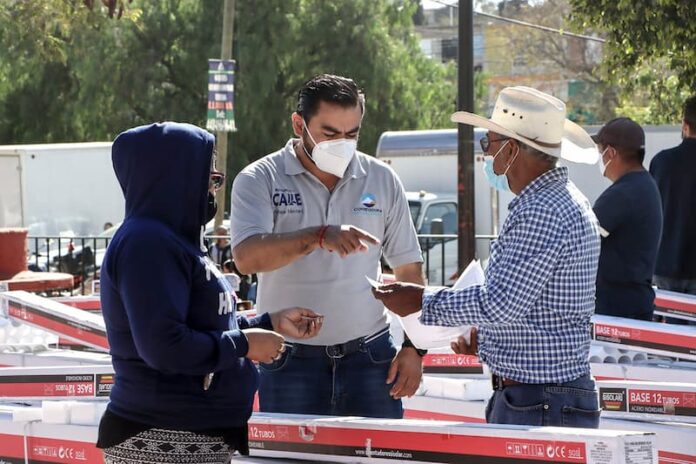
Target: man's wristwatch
409,344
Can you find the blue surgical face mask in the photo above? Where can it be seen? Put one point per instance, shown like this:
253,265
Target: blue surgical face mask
497,181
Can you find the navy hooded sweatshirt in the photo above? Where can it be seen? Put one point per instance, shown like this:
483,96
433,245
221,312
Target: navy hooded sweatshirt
169,313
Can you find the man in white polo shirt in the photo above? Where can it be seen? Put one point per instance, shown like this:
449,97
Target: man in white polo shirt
313,219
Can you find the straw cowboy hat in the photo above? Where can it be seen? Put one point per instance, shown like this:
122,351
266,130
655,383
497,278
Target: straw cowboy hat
538,120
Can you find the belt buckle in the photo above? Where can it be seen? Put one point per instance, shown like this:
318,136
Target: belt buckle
334,351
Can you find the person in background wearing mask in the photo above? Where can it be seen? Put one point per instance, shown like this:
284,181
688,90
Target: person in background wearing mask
220,251
185,381
313,219
674,170
533,312
630,220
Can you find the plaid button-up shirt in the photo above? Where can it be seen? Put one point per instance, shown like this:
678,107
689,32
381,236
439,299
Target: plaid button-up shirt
533,312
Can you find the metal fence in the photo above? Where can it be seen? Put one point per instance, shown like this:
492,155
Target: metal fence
82,257
441,255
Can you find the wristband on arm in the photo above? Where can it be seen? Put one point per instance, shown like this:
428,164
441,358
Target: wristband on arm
409,344
322,234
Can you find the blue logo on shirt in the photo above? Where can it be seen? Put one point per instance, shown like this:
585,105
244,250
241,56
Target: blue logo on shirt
368,200
367,206
287,199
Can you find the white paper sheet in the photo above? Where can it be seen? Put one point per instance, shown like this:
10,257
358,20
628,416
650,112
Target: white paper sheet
428,337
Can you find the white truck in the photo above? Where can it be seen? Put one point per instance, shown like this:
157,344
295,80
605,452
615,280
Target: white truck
64,189
426,162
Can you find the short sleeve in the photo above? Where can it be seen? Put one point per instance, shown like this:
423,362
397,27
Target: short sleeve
612,208
251,212
400,240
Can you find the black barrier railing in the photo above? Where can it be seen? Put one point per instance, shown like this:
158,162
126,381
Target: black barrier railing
82,256
440,255
79,256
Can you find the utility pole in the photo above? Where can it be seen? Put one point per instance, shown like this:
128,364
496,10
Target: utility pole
221,136
465,139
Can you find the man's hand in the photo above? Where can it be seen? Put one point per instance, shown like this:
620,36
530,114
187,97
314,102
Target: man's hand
346,240
264,346
407,370
400,298
460,346
297,322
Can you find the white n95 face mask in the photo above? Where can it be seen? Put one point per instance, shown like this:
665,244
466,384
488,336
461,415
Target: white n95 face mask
332,156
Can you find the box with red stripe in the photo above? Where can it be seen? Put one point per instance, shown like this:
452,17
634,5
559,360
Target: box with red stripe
62,382
649,401
86,303
364,440
678,341
52,316
673,304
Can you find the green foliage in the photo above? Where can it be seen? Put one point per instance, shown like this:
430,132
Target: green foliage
650,52
368,40
653,100
68,73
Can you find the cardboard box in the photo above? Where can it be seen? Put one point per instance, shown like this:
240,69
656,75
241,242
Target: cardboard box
444,409
331,439
52,316
364,440
87,302
676,443
445,362
457,389
51,357
648,401
73,382
46,443
651,371
677,341
673,304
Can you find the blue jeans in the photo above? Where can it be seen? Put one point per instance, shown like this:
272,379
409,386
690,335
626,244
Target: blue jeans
352,385
568,404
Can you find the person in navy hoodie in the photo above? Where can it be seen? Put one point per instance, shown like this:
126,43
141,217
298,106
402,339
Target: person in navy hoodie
185,380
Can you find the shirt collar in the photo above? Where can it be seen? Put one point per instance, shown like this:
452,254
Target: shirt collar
293,166
554,176
689,141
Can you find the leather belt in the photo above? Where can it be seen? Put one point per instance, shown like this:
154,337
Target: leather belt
499,382
334,351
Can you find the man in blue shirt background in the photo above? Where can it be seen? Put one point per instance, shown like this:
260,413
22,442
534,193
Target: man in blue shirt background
674,171
630,220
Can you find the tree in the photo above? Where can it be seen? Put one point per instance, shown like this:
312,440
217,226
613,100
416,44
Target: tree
591,98
282,43
41,46
650,50
83,76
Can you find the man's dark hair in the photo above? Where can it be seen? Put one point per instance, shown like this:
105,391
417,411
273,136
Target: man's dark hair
690,112
328,88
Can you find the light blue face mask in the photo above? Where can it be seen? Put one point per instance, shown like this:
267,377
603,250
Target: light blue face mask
497,181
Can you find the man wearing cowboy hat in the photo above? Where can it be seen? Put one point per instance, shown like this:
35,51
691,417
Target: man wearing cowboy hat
533,313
